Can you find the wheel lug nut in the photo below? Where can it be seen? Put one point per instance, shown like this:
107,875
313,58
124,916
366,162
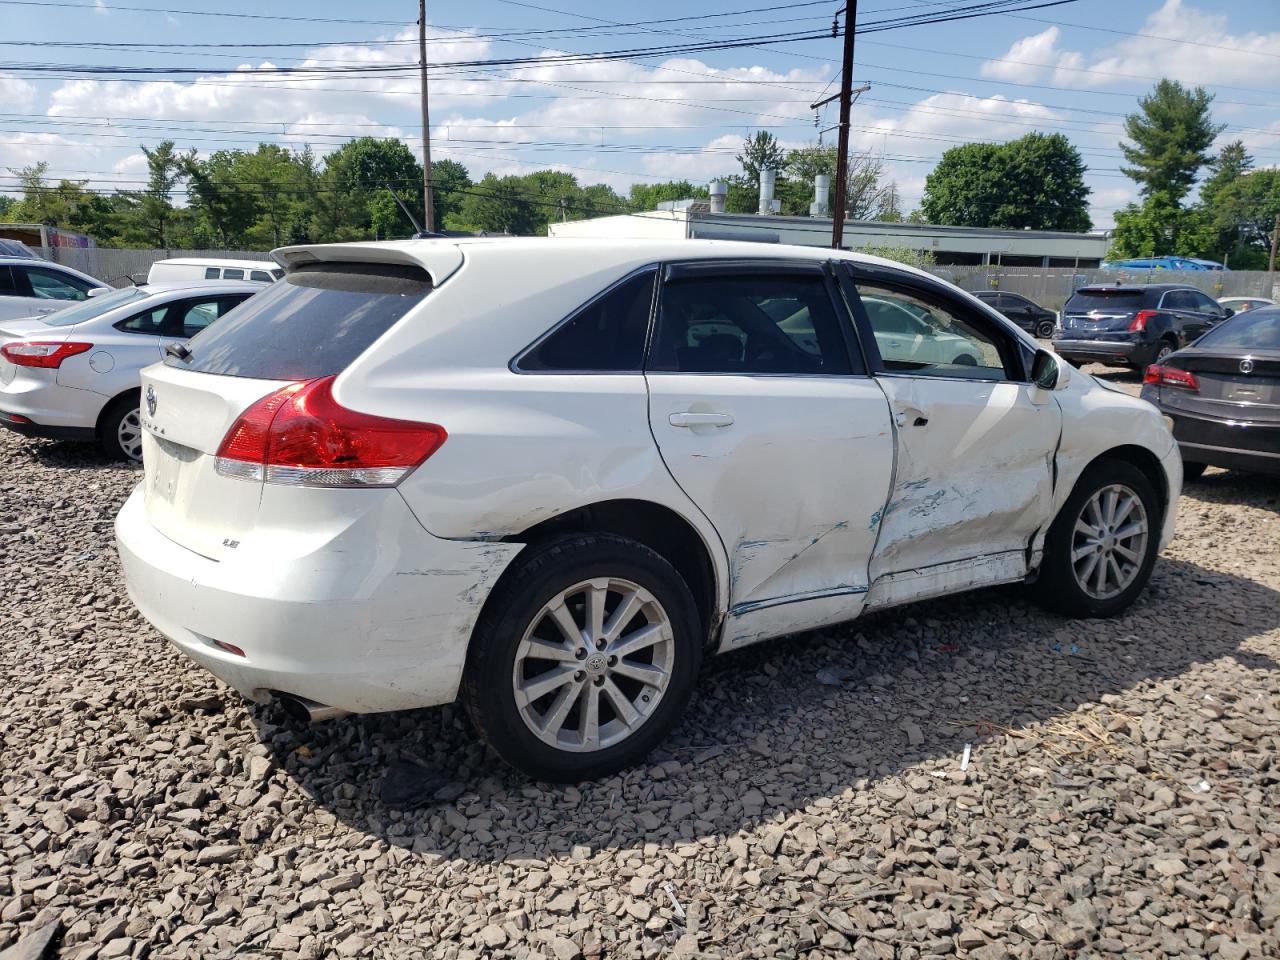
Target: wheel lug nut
613,661
581,654
580,675
598,681
600,644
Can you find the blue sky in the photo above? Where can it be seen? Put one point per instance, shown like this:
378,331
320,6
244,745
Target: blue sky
1075,68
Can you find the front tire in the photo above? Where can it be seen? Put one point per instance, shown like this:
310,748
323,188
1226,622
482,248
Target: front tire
1102,546
120,429
584,659
1045,330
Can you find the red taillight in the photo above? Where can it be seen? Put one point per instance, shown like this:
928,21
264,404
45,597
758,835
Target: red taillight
1140,320
41,353
301,435
1163,376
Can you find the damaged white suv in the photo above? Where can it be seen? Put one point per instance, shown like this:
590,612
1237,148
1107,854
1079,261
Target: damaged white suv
548,476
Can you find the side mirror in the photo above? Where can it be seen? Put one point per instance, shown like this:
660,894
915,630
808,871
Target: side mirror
1227,312
1048,372
98,291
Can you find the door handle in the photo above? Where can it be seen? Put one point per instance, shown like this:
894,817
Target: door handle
690,419
915,417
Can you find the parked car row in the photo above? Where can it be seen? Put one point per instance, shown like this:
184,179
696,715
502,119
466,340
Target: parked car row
547,479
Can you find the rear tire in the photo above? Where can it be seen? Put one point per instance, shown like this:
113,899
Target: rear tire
1093,531
1163,349
562,683
120,428
1045,329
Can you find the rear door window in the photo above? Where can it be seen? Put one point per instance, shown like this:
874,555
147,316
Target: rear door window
311,324
211,273
230,274
1178,300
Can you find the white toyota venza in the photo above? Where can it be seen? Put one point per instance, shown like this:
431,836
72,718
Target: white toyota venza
547,477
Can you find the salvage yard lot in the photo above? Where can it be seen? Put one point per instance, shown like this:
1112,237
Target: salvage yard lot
1121,796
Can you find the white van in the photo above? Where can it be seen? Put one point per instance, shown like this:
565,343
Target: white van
182,269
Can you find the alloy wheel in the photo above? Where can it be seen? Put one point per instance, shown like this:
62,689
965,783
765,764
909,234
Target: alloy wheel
593,665
1109,542
129,435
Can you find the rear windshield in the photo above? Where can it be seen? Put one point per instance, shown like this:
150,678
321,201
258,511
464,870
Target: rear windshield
93,307
1085,301
1254,330
312,323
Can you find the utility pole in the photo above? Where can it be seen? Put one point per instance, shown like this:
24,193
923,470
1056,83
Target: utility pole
1275,236
842,149
428,214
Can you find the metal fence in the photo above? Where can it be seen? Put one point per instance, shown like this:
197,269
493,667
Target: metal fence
116,267
1051,287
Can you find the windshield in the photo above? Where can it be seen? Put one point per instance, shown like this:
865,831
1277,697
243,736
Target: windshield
1105,301
1254,330
93,307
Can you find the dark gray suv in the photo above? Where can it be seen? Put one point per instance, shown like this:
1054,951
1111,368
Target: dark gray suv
1133,325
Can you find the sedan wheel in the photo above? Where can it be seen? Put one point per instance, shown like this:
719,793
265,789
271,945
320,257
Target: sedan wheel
1163,351
1110,542
593,665
1045,330
129,435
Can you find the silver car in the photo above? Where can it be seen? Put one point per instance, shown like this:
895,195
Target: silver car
74,374
31,288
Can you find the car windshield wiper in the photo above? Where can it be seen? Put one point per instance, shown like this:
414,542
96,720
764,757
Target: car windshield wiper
179,351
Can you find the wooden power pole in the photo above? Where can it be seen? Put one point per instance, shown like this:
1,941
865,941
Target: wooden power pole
1275,240
428,214
842,149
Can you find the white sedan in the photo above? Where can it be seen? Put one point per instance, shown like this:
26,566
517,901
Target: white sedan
74,374
547,477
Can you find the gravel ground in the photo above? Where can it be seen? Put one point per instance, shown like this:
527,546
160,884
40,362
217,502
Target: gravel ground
1120,798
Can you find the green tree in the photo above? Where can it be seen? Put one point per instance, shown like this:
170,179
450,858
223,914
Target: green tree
1171,133
352,191
6,204
1232,161
1243,215
449,183
761,151
1035,182
149,211
67,204
1160,226
647,196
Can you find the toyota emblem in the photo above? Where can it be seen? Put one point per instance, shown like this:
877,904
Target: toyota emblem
151,397
1246,365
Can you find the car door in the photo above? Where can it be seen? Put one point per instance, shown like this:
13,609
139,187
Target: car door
1180,305
973,481
1207,310
764,414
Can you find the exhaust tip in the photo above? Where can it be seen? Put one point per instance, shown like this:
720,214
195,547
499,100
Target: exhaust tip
307,711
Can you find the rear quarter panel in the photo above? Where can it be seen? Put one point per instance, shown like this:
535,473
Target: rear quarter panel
521,448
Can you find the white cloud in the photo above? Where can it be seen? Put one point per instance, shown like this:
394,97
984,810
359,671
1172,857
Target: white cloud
16,94
1198,49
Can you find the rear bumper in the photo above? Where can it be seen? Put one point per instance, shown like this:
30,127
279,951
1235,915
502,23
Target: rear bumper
378,618
1100,351
35,394
30,429
1231,444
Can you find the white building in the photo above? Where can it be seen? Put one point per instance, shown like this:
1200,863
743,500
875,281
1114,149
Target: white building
949,245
